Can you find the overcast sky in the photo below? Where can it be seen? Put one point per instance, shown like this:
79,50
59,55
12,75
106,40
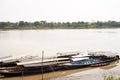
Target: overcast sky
59,10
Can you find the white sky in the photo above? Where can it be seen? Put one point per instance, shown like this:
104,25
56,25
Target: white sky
59,10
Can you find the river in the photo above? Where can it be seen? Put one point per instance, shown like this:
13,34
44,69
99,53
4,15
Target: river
52,41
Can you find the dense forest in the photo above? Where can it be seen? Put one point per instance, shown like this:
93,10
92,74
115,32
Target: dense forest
58,25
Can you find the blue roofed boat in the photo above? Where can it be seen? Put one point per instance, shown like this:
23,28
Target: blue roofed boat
90,60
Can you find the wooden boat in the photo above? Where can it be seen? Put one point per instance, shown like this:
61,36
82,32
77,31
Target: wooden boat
91,61
33,67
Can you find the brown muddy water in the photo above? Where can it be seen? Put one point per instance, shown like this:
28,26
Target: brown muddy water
33,42
57,75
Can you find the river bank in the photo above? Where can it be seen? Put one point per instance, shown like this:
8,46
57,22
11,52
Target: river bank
94,74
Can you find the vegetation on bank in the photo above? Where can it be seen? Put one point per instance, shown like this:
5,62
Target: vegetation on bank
111,78
58,25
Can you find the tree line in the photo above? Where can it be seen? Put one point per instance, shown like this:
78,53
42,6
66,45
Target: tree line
58,25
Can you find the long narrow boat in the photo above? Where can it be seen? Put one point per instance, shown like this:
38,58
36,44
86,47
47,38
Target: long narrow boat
33,67
91,61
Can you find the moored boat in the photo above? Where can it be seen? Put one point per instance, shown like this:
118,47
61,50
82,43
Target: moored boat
33,67
93,60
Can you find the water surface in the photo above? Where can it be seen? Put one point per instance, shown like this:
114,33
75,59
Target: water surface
58,40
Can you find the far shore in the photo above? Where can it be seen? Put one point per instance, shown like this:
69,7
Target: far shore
59,29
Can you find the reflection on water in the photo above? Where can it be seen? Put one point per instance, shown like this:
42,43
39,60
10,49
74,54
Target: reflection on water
58,40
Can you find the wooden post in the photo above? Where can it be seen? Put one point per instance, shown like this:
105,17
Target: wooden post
42,63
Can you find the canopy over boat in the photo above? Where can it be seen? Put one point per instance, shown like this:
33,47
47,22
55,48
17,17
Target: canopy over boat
81,54
40,61
16,58
77,59
4,57
105,53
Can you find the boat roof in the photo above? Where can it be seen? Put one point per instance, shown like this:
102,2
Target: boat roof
15,58
40,61
106,53
4,57
44,64
81,55
68,53
77,59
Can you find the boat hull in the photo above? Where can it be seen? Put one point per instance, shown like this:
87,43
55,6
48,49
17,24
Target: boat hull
88,62
21,71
